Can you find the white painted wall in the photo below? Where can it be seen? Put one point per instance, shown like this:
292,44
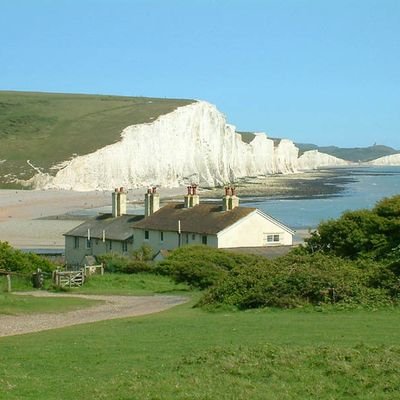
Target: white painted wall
251,231
74,255
171,239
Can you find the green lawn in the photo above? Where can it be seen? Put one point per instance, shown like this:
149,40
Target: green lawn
188,353
48,128
11,304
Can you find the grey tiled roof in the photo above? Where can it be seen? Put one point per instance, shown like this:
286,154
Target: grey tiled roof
203,218
116,228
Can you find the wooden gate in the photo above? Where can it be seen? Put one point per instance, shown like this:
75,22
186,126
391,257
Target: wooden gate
69,278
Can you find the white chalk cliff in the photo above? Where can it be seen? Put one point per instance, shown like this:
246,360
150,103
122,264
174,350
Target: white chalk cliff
393,159
191,144
313,159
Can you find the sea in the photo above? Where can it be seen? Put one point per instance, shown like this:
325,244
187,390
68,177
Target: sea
363,187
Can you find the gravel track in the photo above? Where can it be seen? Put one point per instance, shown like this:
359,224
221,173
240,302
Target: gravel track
112,308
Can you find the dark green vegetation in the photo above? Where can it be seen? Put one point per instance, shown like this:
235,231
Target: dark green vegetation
48,128
16,304
25,263
373,234
355,154
188,353
295,280
202,266
138,261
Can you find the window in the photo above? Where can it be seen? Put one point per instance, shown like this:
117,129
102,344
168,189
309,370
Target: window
272,238
146,235
124,247
110,244
88,243
161,236
76,242
204,239
187,238
193,236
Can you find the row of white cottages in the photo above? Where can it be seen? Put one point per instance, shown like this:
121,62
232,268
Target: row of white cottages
225,225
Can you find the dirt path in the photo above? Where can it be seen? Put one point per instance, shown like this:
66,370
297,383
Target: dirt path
114,307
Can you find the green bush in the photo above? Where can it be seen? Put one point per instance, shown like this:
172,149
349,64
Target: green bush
138,262
136,266
113,262
299,280
15,260
201,266
364,233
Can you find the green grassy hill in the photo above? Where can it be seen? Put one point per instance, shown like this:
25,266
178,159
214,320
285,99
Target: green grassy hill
48,128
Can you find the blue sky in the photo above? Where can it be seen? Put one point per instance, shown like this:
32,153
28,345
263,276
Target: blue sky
324,72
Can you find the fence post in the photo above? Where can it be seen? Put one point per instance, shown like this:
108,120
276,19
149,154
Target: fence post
8,276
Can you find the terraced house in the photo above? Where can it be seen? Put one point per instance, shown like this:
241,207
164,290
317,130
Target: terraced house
224,225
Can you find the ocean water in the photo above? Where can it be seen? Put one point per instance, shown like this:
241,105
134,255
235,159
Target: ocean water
368,185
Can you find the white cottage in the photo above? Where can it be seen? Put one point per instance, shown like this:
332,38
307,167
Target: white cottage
224,225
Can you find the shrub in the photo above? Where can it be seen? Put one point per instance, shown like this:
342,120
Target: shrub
138,262
201,266
113,262
15,260
298,280
136,266
364,233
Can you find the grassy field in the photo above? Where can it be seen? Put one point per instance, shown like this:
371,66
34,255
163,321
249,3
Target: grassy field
188,353
48,128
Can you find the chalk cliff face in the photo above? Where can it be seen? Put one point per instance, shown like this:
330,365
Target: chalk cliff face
193,143
393,159
313,159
